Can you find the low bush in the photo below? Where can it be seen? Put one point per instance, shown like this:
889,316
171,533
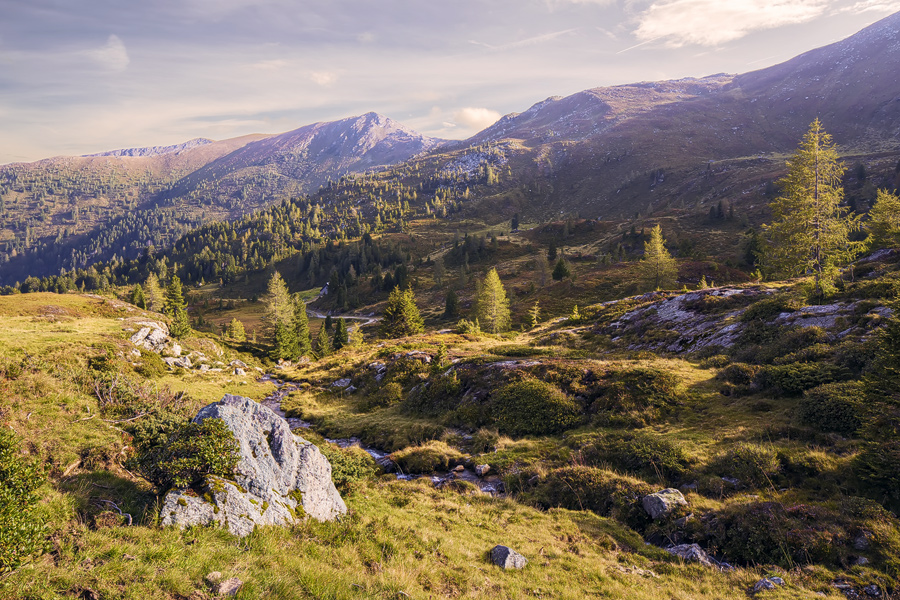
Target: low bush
193,451
427,458
752,464
589,488
520,350
638,396
389,394
153,430
716,361
532,407
440,395
878,468
349,466
738,373
22,533
769,308
833,407
639,453
485,440
151,365
795,378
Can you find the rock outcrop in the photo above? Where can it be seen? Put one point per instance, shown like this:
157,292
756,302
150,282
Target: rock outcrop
662,503
279,479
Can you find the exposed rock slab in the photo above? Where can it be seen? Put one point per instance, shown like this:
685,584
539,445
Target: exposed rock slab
280,476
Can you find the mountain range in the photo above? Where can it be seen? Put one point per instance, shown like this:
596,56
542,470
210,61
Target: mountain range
605,153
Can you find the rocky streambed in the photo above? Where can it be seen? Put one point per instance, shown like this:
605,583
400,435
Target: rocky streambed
487,483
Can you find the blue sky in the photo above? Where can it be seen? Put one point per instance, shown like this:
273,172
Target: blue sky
80,77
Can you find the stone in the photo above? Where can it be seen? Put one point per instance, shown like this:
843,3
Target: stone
175,349
350,389
240,372
279,479
482,470
769,583
229,587
872,591
213,578
863,540
861,561
663,502
238,363
691,553
507,558
458,469
342,383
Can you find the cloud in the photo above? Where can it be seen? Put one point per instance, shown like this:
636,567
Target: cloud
112,56
476,118
715,22
885,6
323,78
538,39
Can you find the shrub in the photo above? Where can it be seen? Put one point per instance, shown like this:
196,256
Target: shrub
152,431
389,394
738,373
795,378
532,407
22,534
105,363
484,440
439,396
466,326
878,468
152,365
588,488
835,407
637,396
427,458
768,308
716,361
348,465
750,463
639,453
193,451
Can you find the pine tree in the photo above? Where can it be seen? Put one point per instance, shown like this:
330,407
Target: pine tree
439,271
561,270
301,325
493,305
401,315
280,319
341,335
810,229
137,297
235,331
451,305
658,268
153,293
884,221
176,309
323,343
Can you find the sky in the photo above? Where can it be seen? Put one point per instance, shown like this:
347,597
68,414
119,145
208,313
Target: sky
83,76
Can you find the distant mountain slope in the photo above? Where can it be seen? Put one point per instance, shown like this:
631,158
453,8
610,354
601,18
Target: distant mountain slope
155,150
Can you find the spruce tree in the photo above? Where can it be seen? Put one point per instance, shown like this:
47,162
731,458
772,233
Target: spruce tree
658,268
137,297
401,315
810,230
493,305
301,323
235,331
323,343
176,309
280,319
561,270
884,221
154,297
451,305
341,335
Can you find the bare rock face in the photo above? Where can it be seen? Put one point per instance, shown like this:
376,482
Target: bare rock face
662,503
279,479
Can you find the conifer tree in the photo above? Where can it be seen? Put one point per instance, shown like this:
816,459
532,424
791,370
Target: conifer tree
301,323
658,268
323,343
176,309
153,293
884,221
493,305
137,297
401,315
534,315
280,319
341,335
235,330
810,230
561,270
451,305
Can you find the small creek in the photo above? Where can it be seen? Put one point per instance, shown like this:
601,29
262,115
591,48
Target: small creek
490,484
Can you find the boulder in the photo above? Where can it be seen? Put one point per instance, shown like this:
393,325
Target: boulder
662,503
507,558
769,583
238,363
279,478
239,372
342,383
482,470
691,553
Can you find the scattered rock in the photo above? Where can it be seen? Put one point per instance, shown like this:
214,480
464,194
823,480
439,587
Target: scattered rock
769,583
660,504
482,470
459,469
213,578
279,478
175,349
229,587
863,540
238,363
861,561
240,372
691,553
350,389
341,383
507,558
872,591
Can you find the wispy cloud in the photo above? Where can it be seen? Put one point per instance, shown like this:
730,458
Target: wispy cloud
476,118
714,22
538,39
882,6
323,78
112,56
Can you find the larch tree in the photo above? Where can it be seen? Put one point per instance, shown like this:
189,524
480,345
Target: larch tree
493,305
280,319
658,268
153,293
884,221
810,229
176,309
301,325
401,315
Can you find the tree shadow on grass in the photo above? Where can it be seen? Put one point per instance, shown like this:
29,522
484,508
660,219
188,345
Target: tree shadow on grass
102,498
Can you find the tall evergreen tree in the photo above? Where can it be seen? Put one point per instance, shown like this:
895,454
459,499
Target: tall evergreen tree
301,324
176,309
137,297
658,268
451,305
810,230
323,343
235,330
561,270
280,319
401,315
884,221
341,335
153,293
493,305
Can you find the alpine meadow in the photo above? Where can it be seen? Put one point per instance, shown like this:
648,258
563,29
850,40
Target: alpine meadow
636,342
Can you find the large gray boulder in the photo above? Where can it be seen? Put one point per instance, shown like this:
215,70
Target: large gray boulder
663,502
279,478
507,558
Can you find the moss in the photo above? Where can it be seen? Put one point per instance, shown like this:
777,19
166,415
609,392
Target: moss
182,502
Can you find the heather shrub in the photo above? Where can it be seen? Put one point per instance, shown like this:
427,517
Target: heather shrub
638,453
752,464
532,407
427,458
833,407
22,533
